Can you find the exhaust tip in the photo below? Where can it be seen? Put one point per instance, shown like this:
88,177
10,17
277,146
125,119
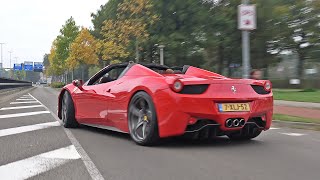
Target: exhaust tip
229,123
236,123
242,122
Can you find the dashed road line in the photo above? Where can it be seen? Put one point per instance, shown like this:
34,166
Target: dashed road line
274,128
293,134
24,102
90,166
35,165
23,99
23,114
20,107
23,129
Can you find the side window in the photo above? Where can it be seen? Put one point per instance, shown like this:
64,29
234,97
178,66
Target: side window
109,76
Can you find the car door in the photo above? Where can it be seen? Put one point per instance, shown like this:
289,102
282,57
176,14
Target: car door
92,103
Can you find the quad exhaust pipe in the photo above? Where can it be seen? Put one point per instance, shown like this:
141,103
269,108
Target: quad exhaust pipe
242,122
235,122
229,123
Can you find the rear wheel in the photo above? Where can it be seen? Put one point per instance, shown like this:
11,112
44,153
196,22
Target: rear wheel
142,119
67,112
245,134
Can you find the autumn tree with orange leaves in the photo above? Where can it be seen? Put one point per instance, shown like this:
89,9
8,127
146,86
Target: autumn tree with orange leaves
128,29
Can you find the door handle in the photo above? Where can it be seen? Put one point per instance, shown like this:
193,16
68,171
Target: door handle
109,90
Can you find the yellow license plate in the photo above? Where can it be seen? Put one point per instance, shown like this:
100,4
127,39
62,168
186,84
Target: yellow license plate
233,107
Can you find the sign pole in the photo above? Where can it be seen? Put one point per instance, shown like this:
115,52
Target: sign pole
161,54
246,50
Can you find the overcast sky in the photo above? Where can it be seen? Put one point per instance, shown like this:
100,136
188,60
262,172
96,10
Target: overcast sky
28,27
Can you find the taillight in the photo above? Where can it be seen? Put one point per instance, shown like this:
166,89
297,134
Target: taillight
267,86
177,86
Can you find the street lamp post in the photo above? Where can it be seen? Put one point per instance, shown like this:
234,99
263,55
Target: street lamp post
10,52
161,54
10,72
1,44
14,62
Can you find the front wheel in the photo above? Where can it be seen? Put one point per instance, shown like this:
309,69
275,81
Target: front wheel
67,112
142,119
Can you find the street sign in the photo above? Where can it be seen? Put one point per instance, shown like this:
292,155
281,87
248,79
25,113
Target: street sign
247,19
28,66
17,67
37,66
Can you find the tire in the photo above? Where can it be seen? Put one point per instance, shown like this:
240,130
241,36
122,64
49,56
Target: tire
67,112
245,135
142,120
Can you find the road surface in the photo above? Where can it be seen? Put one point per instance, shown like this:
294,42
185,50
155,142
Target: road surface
34,145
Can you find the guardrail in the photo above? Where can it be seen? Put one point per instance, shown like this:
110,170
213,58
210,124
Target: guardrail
11,83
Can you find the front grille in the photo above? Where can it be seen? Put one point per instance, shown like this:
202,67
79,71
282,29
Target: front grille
194,89
259,89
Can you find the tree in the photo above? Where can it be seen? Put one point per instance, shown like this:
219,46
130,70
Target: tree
106,12
300,28
56,66
84,50
62,44
128,29
46,62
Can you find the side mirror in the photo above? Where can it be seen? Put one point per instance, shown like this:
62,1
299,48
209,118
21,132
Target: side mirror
78,84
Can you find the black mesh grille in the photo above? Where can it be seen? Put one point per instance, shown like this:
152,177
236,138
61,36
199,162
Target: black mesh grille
194,89
258,121
260,89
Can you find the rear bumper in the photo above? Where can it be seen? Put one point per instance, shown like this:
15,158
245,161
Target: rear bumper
176,111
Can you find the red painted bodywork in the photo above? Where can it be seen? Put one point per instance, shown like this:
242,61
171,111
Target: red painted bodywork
107,104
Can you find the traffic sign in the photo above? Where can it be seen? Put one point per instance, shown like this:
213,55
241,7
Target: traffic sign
28,66
17,67
247,19
37,66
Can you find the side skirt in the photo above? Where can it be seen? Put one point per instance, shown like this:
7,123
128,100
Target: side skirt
105,127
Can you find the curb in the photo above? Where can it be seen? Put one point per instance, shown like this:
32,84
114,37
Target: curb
297,125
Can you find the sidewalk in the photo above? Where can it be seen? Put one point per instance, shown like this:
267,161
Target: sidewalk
299,109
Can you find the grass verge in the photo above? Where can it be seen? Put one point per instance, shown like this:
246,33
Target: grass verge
283,117
301,96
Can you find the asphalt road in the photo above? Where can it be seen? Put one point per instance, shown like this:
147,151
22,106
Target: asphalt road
34,145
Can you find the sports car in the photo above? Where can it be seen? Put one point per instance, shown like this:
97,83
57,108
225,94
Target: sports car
151,101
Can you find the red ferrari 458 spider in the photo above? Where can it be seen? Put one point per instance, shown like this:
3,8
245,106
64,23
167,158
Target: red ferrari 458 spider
154,101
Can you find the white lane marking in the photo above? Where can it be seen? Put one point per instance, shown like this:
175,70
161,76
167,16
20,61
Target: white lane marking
20,107
24,102
23,114
24,99
90,166
293,134
274,128
32,166
23,129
